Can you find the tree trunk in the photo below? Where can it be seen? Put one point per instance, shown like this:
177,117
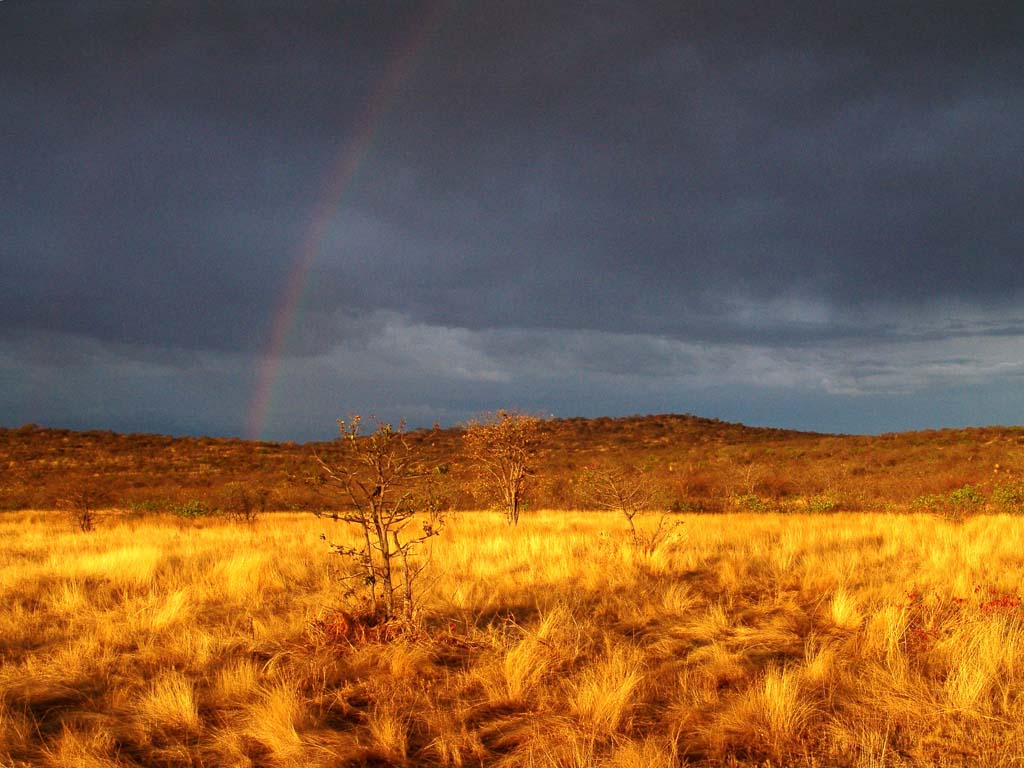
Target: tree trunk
384,547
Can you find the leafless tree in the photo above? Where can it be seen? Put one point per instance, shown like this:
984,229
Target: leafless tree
80,502
503,445
625,489
243,503
380,477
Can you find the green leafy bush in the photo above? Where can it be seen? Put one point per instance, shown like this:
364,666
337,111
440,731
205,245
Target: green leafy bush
1010,498
967,499
142,507
191,509
751,502
819,504
932,502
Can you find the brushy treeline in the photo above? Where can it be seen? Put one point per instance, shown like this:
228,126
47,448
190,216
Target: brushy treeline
692,464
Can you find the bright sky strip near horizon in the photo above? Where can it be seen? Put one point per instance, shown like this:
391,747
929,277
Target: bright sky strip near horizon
254,217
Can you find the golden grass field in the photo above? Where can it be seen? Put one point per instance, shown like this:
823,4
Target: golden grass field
845,639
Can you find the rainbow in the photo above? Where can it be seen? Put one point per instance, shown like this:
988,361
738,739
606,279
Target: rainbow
340,180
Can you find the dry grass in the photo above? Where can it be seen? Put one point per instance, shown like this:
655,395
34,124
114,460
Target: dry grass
847,640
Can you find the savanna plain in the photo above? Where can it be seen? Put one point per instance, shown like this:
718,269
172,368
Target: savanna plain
850,639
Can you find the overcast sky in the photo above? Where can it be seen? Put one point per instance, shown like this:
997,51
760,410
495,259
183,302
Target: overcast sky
251,217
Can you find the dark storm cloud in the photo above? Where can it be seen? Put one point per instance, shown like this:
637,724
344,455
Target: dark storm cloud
660,168
163,159
595,191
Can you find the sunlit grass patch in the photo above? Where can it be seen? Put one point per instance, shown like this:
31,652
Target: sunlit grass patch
132,566
771,716
274,720
604,694
169,705
844,639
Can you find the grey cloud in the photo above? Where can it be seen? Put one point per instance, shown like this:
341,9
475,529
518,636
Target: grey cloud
396,368
449,373
70,381
630,191
511,357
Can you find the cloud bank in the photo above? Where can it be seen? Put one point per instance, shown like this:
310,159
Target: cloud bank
791,214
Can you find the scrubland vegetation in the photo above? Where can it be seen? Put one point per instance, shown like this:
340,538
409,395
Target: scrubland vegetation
850,639
692,464
852,601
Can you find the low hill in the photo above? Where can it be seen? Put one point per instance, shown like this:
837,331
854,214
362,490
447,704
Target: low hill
694,463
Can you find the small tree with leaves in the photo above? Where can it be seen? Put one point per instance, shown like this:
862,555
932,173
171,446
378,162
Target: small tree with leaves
381,479
502,446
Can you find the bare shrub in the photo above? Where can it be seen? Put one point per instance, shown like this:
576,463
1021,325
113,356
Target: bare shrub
503,446
80,503
243,503
382,480
628,490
